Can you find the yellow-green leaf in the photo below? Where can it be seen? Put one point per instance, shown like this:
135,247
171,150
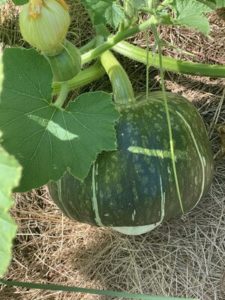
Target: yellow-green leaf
10,172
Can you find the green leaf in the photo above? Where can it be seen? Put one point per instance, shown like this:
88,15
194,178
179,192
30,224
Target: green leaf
220,3
97,9
213,4
191,13
10,172
45,139
74,289
104,12
114,15
20,2
144,3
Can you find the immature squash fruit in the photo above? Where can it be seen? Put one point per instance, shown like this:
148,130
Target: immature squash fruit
66,64
133,190
44,24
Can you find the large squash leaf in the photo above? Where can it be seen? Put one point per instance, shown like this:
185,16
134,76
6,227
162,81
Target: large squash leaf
45,139
10,172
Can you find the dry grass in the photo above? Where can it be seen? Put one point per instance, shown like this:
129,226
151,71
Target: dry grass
184,257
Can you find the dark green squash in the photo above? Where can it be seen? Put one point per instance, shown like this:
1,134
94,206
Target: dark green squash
133,189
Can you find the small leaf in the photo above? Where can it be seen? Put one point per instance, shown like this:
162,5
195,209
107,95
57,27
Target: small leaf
20,2
10,172
97,9
191,13
114,15
47,140
104,11
143,3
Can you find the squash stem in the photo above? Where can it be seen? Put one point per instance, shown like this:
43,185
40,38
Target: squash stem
62,95
122,88
85,77
87,47
169,64
136,53
113,40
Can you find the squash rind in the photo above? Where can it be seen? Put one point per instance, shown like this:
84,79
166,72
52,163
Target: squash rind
134,186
